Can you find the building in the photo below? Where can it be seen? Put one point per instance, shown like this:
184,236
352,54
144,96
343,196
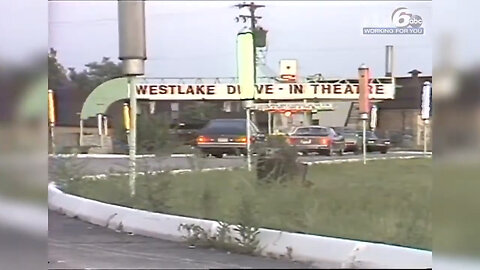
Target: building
399,119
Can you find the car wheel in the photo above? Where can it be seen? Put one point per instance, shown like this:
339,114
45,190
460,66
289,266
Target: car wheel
384,151
218,155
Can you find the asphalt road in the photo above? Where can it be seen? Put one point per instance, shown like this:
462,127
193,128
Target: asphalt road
74,244
105,165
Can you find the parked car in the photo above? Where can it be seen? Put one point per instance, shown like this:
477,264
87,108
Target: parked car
352,140
373,142
227,136
186,132
319,139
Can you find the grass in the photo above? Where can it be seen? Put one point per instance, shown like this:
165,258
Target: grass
384,201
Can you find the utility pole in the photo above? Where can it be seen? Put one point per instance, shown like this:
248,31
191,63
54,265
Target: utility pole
252,7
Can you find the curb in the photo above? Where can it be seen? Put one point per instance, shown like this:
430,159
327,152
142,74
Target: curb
336,161
98,155
303,247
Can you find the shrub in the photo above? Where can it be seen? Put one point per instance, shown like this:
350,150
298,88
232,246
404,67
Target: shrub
277,161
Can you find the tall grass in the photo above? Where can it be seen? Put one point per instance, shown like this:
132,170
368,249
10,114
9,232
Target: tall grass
383,201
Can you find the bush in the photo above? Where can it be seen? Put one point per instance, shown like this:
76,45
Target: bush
277,161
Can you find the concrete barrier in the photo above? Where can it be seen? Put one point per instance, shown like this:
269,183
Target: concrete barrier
338,253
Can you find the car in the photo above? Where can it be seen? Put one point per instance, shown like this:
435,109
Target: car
319,139
352,140
227,136
186,132
373,142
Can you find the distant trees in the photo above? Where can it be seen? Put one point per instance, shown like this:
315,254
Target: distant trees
57,75
86,80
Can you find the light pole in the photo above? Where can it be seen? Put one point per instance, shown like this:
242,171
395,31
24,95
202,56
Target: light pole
363,73
132,52
426,110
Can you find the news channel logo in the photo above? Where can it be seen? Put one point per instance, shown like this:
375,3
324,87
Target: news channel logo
404,21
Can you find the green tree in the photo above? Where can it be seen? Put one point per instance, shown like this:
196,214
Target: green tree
95,74
200,111
57,76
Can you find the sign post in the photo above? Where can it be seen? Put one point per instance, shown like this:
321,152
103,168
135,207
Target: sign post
51,119
246,79
373,117
426,110
364,105
132,52
100,128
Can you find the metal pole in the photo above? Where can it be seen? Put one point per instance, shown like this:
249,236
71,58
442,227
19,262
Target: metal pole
100,125
364,141
52,137
269,120
80,139
105,125
249,150
133,136
425,123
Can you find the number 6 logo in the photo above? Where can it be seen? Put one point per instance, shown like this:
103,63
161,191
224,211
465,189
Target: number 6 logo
401,17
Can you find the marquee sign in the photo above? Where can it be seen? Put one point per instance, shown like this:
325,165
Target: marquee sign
282,91
299,106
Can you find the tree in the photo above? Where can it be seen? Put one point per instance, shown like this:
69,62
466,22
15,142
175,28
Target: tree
200,111
95,74
57,77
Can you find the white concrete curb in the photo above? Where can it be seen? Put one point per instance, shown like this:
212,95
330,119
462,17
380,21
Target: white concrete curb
97,155
317,249
336,161
177,171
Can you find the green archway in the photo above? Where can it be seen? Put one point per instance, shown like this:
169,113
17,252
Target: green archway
103,96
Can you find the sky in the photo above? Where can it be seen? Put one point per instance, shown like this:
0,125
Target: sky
197,39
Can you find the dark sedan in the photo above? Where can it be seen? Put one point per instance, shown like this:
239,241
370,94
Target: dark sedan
319,139
227,136
373,142
352,140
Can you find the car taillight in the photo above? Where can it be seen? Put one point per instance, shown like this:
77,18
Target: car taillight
243,139
324,141
203,139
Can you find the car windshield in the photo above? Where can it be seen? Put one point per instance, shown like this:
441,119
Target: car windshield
311,131
227,126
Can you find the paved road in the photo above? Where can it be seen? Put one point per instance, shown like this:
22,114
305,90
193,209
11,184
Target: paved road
74,244
104,165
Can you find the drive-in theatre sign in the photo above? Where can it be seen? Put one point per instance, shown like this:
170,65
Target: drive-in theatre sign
283,91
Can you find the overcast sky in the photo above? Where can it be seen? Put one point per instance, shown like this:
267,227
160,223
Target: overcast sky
198,39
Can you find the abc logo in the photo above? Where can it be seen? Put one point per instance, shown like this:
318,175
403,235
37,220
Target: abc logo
402,17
